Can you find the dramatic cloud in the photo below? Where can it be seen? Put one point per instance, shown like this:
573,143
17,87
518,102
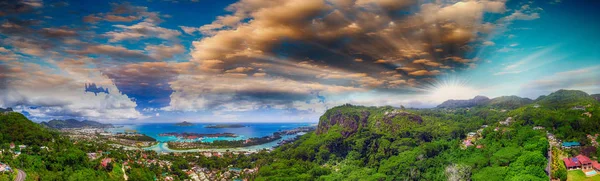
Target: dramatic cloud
293,56
44,94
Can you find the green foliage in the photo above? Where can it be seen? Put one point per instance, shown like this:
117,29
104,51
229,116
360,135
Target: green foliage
392,145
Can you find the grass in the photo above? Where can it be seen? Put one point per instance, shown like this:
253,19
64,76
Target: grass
578,175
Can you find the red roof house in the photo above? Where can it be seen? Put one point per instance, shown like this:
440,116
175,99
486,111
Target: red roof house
596,165
584,160
105,162
571,163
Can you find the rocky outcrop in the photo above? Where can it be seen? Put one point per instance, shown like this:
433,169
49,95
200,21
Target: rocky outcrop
348,123
352,118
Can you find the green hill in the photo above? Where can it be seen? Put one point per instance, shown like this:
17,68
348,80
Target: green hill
72,123
566,99
509,102
14,127
386,143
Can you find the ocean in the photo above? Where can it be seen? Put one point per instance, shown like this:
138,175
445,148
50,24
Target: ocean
251,130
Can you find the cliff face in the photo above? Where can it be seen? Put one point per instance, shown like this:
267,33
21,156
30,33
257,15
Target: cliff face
353,118
349,123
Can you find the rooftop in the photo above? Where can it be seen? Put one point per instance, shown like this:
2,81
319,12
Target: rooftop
569,144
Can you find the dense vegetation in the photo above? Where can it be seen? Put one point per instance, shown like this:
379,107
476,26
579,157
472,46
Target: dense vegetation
354,143
72,123
137,137
371,143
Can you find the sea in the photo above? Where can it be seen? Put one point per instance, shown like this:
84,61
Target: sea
250,130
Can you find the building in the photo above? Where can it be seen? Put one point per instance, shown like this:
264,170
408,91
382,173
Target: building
596,165
105,162
12,145
4,167
579,162
571,163
467,143
507,121
585,162
572,144
22,146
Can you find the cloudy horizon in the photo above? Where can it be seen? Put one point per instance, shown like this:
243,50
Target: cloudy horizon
284,60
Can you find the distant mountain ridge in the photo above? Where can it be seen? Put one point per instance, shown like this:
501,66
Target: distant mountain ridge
6,110
566,99
559,99
596,96
476,101
72,123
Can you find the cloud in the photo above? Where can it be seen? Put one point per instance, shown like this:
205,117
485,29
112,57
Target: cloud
58,32
425,73
188,30
489,43
344,35
141,30
164,52
59,93
585,79
116,18
9,7
526,64
116,52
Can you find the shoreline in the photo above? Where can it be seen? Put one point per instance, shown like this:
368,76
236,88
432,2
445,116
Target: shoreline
162,147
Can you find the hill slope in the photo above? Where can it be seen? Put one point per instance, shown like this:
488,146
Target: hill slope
72,123
476,101
14,127
510,102
565,99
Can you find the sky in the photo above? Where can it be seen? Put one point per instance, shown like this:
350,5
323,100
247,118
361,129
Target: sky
285,60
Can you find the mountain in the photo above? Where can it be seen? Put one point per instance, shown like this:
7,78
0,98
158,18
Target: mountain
6,110
509,102
185,123
350,119
72,123
596,96
385,143
476,101
15,127
566,99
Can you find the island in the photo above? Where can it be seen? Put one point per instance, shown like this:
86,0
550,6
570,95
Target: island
185,123
225,126
198,135
223,143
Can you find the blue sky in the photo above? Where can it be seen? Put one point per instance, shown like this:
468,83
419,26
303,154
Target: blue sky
284,60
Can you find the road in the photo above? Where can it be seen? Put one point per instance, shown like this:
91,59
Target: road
549,166
20,175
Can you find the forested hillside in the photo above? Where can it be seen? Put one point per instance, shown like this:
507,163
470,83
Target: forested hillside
387,143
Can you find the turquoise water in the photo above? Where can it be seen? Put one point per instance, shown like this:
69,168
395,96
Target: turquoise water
252,130
590,173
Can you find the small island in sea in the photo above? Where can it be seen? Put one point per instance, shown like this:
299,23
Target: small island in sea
198,135
225,126
185,123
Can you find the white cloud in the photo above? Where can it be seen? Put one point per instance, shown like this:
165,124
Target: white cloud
46,93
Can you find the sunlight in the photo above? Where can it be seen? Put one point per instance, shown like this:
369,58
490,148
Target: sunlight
451,89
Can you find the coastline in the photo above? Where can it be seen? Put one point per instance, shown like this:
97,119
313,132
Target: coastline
162,147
